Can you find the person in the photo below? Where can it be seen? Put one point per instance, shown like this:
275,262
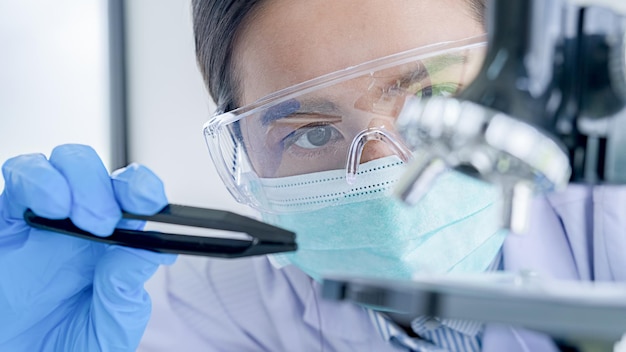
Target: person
307,93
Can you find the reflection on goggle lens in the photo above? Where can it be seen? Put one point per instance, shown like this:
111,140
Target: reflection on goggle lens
320,125
314,132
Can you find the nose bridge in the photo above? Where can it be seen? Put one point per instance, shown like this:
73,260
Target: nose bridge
375,142
375,139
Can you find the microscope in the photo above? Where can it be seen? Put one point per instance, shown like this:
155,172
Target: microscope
546,109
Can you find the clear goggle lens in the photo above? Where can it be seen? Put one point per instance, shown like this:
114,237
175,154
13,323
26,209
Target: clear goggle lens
334,122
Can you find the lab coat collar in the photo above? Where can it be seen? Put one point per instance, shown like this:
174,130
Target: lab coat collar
323,315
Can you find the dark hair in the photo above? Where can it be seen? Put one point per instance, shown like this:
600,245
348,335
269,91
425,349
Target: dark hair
215,26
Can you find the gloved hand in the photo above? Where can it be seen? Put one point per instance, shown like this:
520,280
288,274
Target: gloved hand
60,293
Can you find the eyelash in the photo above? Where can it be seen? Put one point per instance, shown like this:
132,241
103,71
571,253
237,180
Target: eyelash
292,138
289,142
437,89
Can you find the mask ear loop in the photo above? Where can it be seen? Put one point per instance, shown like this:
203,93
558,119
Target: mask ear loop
393,140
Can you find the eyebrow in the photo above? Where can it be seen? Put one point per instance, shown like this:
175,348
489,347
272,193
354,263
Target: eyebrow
429,67
293,107
444,61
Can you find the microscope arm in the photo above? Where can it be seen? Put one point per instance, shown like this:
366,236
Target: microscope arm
546,108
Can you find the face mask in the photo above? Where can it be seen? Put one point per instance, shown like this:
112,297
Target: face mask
366,232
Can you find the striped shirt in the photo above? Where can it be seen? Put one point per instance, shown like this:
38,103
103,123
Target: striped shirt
435,335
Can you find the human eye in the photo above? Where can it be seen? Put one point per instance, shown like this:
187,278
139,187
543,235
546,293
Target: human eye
313,136
425,85
444,89
439,76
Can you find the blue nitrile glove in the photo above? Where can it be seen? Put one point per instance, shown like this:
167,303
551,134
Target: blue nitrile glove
61,293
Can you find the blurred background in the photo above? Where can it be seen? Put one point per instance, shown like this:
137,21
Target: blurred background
117,75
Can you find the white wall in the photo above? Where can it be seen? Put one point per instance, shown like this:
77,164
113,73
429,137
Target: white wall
54,81
53,76
169,104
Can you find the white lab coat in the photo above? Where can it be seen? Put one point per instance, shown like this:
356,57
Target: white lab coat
247,305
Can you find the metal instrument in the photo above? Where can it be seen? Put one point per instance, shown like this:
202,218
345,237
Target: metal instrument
229,235
546,109
578,316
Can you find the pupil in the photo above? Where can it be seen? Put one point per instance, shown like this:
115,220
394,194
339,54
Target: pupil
318,136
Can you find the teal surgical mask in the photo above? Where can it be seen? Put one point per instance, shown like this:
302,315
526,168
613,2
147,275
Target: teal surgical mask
366,232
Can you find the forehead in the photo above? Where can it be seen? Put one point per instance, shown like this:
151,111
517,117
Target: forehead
290,41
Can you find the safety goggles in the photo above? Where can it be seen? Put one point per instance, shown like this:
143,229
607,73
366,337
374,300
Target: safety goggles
336,121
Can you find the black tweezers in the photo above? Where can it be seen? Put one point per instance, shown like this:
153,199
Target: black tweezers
265,238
